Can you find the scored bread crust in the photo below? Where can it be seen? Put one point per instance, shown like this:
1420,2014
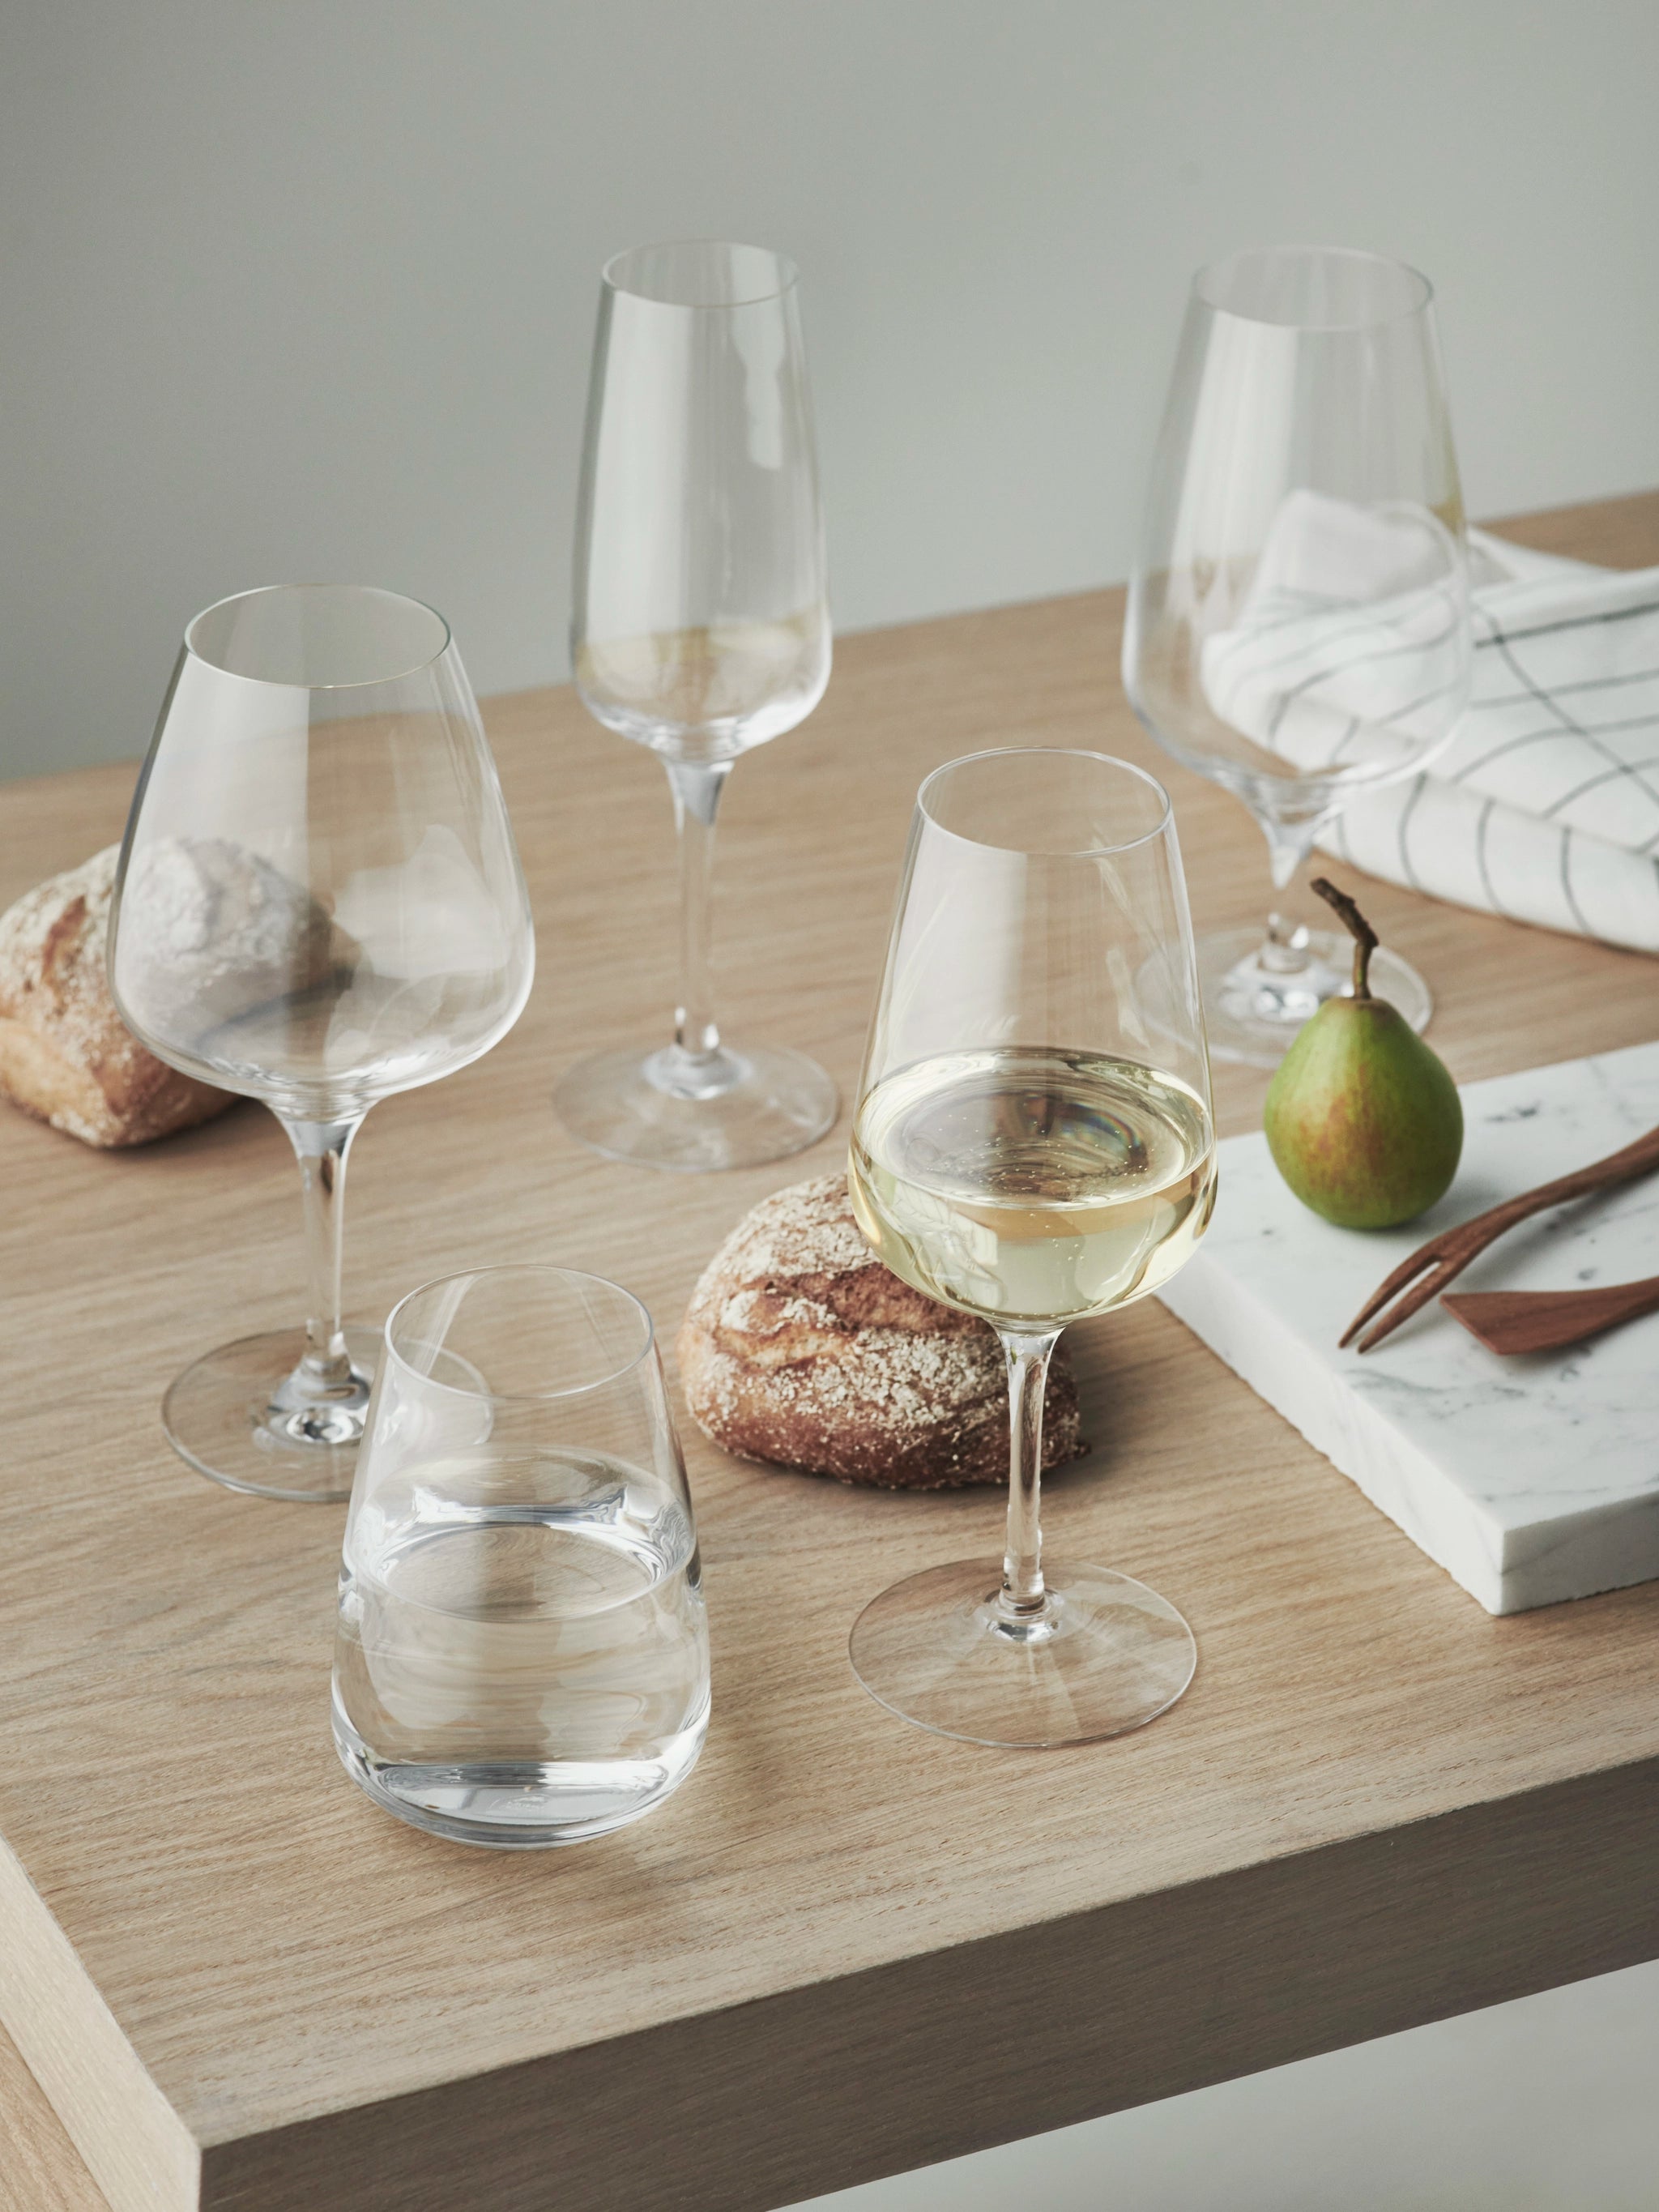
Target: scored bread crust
799,1348
66,1056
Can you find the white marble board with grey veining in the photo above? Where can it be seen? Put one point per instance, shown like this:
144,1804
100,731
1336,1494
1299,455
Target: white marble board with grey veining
1529,1480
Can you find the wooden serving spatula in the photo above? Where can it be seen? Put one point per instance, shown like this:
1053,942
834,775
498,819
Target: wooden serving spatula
1547,1320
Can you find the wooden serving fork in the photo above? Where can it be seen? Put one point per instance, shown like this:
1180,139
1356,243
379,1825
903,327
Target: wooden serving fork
1445,1256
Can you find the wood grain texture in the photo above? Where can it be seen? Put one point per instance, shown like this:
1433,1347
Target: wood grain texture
846,1947
138,2147
40,2168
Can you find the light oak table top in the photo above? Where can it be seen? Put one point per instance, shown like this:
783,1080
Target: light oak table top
846,1947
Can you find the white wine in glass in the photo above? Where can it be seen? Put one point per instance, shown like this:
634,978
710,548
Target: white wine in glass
1033,1146
1040,1185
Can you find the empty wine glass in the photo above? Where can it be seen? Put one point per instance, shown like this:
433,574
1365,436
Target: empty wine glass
522,1655
1033,1144
319,902
701,628
1298,625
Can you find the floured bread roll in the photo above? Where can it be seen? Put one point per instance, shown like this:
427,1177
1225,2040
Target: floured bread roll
65,1053
211,933
799,1347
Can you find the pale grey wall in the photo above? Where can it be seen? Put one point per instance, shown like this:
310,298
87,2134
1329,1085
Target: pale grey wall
300,288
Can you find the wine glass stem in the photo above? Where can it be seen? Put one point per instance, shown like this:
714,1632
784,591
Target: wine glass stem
1023,1594
321,1148
1284,950
697,791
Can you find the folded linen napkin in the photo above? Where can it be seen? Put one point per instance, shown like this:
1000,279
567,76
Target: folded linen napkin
1543,804
1349,649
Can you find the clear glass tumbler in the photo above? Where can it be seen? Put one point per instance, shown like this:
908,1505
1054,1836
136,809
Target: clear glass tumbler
522,1654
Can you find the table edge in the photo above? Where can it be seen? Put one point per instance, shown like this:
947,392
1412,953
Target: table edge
750,2107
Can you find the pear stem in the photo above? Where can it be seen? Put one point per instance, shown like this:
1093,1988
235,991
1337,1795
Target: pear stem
1364,937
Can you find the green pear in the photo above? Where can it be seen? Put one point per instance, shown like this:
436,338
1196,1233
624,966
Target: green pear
1364,1122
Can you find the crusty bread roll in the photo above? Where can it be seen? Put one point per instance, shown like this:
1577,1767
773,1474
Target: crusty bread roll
215,934
799,1347
65,1054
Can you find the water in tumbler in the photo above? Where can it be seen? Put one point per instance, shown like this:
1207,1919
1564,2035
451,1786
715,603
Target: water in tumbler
540,1667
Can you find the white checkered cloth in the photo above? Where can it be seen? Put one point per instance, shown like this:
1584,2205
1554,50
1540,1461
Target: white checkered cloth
1544,806
1341,654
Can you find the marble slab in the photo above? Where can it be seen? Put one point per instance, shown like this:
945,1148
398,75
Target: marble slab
1528,1479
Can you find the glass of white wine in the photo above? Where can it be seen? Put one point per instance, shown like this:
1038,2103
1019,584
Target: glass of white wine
1033,1144
699,628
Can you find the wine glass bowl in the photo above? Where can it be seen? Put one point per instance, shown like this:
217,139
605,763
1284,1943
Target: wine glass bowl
699,628
1297,626
319,902
1033,1144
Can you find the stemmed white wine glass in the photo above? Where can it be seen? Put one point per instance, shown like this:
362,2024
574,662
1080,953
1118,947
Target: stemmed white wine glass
319,902
1299,623
1033,1144
701,628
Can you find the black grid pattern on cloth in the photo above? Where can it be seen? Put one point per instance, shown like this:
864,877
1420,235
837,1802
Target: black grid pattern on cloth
1544,805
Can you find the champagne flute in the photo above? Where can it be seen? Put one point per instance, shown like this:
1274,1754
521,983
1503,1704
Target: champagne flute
319,902
1033,1144
1298,623
701,628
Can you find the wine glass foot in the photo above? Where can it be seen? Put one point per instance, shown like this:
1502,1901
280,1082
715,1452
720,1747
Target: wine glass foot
1252,1011
936,1650
696,1114
246,1416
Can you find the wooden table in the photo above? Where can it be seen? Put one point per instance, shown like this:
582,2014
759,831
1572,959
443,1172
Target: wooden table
846,1947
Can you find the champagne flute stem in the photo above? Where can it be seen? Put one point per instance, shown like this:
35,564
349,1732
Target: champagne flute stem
321,1148
1027,1356
697,792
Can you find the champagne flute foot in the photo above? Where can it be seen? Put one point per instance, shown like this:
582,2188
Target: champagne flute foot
937,1649
1252,1010
670,1109
250,1416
